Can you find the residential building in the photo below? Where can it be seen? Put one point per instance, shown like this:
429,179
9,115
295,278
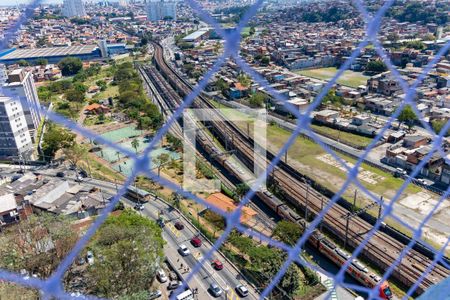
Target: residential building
15,140
21,84
159,10
73,8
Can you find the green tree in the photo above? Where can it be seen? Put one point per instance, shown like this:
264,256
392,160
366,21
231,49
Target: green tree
23,63
74,95
244,80
70,66
41,62
252,30
418,45
135,145
37,244
257,100
265,60
101,84
407,116
131,251
161,160
222,85
75,153
242,189
287,232
376,66
437,126
175,142
44,94
56,138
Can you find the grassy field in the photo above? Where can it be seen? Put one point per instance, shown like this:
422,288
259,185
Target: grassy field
355,139
348,78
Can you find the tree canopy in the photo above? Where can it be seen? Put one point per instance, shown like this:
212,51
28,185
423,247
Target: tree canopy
117,274
70,66
56,138
376,66
407,116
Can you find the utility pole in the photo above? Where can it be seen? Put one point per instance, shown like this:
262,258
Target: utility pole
346,231
380,209
285,156
306,203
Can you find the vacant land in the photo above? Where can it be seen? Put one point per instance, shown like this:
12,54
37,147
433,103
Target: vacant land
343,136
348,78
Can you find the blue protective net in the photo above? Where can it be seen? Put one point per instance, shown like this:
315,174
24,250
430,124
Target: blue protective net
53,287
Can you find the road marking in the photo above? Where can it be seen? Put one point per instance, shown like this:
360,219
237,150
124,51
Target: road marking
173,229
329,285
231,294
198,255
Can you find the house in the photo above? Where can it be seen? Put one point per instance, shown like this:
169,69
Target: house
238,91
93,89
96,109
414,141
432,166
326,116
445,174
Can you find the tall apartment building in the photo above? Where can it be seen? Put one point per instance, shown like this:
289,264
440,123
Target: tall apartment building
73,8
158,10
20,85
3,75
15,139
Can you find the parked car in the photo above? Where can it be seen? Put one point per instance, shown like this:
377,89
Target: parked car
179,226
215,290
217,264
184,250
60,174
79,178
83,173
196,241
139,206
174,284
162,277
241,290
154,295
81,261
90,257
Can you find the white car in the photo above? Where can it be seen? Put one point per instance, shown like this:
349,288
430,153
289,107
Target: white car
184,250
90,257
162,277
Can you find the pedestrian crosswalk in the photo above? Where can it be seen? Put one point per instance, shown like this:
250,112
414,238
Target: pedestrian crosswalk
330,287
231,294
173,229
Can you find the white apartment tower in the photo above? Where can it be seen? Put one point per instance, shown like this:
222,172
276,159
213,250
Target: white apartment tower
158,10
21,85
15,139
73,8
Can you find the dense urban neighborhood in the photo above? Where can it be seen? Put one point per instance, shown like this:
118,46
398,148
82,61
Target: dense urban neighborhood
97,187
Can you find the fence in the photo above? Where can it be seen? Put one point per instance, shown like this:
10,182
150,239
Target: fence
142,163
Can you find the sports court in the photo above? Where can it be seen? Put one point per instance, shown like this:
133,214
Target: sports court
124,137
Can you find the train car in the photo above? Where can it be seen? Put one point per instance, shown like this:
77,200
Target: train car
356,269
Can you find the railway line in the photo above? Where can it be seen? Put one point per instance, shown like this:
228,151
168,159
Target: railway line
381,250
151,76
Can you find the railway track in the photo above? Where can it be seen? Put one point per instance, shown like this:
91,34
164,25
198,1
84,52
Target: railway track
382,250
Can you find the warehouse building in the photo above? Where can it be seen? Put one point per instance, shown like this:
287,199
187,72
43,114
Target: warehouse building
55,54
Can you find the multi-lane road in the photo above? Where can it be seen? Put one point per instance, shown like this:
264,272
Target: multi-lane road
227,278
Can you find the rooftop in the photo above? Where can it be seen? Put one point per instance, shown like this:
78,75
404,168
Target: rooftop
49,52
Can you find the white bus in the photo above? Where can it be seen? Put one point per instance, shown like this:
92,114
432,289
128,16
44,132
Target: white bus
186,295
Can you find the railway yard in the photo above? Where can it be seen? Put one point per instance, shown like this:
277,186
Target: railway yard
381,250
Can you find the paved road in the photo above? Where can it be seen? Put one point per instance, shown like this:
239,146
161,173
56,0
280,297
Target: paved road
227,279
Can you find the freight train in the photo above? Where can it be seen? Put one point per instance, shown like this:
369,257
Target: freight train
357,270
317,240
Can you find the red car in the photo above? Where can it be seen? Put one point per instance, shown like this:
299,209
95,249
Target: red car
217,264
196,241
179,226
